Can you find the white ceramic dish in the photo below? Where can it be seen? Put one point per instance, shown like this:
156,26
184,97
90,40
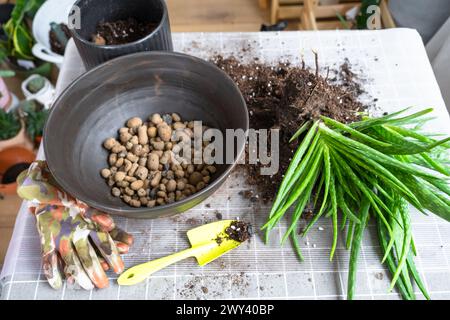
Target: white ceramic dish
51,11
45,96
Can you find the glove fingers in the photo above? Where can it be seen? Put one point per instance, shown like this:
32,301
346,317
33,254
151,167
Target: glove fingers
122,236
90,262
122,248
51,266
105,244
103,263
103,221
74,271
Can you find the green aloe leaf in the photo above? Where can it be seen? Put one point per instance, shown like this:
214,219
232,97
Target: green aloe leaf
23,43
356,247
373,154
404,283
289,179
405,239
300,131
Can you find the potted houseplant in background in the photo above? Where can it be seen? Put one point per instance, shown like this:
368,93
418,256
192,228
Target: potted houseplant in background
35,115
20,130
13,131
17,42
39,88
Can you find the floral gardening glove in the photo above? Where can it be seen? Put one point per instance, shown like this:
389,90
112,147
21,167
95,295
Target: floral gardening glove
76,240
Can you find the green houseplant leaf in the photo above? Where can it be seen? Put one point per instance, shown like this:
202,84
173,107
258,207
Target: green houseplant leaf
9,125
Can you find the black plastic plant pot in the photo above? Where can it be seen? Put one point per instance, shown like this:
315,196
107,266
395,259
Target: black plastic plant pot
92,12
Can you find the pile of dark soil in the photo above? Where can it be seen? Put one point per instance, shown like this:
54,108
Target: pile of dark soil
284,97
122,31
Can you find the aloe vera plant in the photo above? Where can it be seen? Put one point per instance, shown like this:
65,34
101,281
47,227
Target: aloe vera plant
371,169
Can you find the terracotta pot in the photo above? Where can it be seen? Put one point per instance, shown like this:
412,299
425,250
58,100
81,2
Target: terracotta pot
20,140
10,157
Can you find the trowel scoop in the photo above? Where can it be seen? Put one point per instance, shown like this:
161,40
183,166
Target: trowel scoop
208,243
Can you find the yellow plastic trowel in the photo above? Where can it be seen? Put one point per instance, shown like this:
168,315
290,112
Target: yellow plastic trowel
208,242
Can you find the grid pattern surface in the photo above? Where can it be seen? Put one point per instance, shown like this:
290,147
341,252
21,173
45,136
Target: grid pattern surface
396,72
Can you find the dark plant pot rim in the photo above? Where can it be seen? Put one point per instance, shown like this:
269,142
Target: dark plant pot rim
112,210
129,44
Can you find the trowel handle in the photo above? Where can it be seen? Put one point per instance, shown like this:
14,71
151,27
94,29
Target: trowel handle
142,271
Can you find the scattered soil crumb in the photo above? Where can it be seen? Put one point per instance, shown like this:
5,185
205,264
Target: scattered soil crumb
308,214
193,222
219,215
219,240
247,194
379,276
240,283
205,290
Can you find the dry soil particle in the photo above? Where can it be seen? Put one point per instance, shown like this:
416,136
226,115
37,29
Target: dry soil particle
284,97
219,215
379,276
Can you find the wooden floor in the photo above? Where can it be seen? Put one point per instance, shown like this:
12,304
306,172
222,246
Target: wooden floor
216,15
185,15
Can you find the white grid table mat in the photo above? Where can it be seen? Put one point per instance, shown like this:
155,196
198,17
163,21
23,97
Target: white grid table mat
397,73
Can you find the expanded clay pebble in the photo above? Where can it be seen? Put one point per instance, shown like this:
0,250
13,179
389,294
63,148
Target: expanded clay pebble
142,170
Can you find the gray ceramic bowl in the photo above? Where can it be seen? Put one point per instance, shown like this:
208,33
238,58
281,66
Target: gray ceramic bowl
98,103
